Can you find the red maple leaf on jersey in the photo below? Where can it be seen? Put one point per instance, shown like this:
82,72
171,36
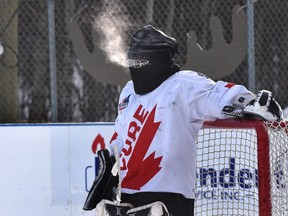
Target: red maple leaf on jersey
141,170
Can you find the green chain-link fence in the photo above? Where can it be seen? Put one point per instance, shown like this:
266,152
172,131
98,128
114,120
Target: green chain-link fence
61,61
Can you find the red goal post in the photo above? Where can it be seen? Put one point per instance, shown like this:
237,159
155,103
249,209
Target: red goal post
242,168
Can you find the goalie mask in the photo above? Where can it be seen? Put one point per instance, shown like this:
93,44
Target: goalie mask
151,58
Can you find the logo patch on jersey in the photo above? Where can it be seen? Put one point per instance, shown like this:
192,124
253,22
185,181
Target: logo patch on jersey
124,103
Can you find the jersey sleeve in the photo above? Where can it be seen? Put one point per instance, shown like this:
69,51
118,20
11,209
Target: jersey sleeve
207,98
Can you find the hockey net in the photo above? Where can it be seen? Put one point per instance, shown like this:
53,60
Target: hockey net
242,168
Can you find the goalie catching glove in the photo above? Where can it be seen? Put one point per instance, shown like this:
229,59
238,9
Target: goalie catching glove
263,106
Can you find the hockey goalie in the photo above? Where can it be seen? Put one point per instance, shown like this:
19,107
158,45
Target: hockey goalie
160,113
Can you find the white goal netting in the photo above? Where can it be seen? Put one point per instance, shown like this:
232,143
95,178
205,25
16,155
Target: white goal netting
278,153
242,168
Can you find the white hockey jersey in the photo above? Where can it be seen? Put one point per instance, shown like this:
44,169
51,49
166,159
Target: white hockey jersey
156,132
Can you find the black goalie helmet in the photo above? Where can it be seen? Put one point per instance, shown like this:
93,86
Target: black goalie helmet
151,58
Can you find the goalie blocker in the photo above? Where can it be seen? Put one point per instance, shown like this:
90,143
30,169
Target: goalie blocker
105,184
263,106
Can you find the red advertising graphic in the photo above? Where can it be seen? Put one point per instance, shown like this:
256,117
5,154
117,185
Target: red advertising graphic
98,144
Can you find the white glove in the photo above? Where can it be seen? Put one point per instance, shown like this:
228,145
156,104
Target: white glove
265,107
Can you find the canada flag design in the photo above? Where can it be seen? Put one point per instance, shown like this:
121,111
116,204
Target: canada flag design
140,170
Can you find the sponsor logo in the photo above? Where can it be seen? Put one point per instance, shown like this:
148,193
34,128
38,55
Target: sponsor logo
98,144
232,182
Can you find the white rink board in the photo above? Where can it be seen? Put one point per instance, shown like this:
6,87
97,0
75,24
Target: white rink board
47,169
43,168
